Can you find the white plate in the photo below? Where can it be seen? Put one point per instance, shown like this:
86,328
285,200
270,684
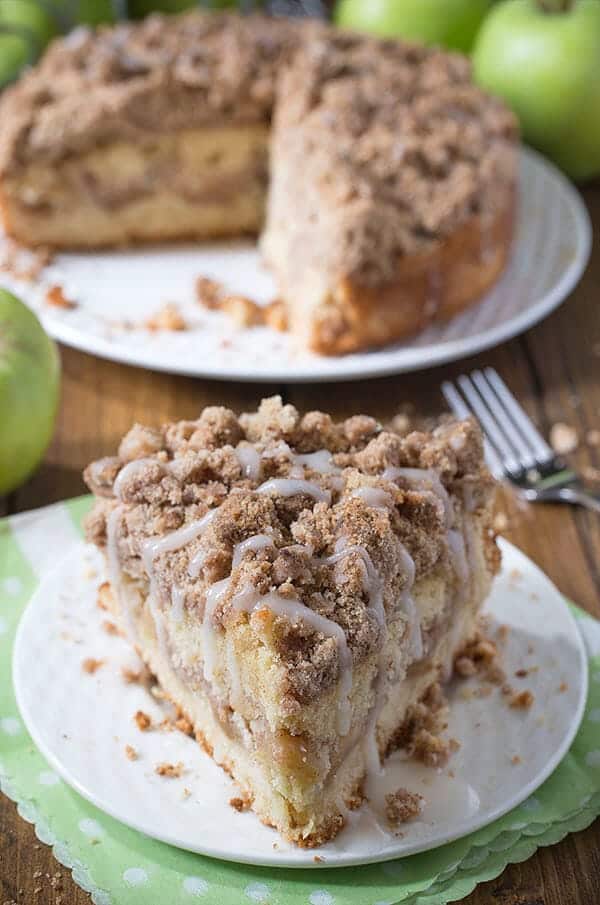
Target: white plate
550,251
81,723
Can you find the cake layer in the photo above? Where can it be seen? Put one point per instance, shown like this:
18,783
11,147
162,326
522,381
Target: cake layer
191,184
296,585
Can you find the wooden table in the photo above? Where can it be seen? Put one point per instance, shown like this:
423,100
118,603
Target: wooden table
554,369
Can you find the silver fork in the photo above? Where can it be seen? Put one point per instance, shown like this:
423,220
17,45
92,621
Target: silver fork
514,448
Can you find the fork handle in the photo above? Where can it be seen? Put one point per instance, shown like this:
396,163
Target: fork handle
574,495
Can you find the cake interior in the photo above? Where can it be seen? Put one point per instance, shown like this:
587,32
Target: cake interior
196,183
299,620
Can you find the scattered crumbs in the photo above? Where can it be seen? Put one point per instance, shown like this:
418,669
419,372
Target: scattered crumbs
168,317
591,474
500,522
563,687
515,574
465,667
131,676
184,725
142,720
563,438
173,771
318,859
100,598
208,293
55,296
240,803
110,627
402,805
521,673
593,438
131,753
90,573
185,793
521,700
166,725
451,774
91,664
484,691
515,760
157,692
453,745
276,846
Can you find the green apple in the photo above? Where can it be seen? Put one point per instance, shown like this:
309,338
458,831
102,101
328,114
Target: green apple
25,29
94,12
29,391
448,23
543,58
139,8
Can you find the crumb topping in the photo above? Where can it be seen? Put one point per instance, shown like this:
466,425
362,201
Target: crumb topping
325,500
402,806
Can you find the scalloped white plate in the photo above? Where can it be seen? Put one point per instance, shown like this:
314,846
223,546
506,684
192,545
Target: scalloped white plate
550,251
81,723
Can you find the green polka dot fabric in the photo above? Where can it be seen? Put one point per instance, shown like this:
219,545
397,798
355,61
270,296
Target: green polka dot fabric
119,866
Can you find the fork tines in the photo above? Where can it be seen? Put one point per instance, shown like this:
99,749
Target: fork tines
513,443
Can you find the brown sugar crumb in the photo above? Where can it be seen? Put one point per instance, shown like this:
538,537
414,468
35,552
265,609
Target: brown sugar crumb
521,700
208,293
142,720
131,753
318,859
240,803
56,297
110,627
516,760
563,438
134,676
563,687
166,318
91,664
453,745
503,633
185,793
521,673
100,601
479,656
402,806
184,725
166,725
430,749
173,771
465,667
242,311
275,316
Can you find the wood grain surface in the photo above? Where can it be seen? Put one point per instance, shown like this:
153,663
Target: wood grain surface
554,369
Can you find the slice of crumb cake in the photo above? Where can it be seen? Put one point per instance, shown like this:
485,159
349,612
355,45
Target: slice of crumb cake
297,586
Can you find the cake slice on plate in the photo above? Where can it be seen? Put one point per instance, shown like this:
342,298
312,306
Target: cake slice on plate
298,586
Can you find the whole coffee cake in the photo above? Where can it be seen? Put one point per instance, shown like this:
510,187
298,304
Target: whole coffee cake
382,178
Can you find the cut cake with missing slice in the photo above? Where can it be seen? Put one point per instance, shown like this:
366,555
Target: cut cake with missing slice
297,586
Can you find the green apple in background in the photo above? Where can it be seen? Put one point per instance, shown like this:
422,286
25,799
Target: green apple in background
543,58
139,8
449,23
25,29
29,391
93,12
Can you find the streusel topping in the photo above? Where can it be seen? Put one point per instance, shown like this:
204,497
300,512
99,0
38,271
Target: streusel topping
290,497
161,74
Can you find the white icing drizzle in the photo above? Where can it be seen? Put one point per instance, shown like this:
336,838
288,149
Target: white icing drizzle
375,497
177,604
129,471
320,461
372,584
420,477
167,544
253,543
295,611
292,486
114,570
456,546
250,460
196,563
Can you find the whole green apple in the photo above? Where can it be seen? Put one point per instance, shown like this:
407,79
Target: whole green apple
543,58
29,391
15,51
448,23
30,17
139,8
94,12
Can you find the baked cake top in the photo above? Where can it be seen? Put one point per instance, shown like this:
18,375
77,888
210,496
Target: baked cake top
398,139
161,74
271,502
